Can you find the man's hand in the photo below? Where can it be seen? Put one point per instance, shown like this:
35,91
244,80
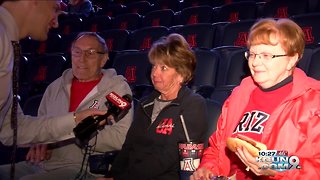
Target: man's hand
38,153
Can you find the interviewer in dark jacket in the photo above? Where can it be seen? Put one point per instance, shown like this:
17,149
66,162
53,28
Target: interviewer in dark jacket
150,150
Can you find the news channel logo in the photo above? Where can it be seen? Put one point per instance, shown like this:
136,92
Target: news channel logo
277,160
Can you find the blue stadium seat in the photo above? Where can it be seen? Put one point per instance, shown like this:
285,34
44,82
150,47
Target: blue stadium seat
98,23
206,72
310,26
233,66
116,39
128,21
195,15
174,5
140,7
236,11
233,34
43,70
314,66
304,62
198,35
284,8
31,105
164,17
142,39
214,111
112,10
136,68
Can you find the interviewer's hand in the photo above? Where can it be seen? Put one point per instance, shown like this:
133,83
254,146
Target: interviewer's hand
81,115
38,153
202,174
252,163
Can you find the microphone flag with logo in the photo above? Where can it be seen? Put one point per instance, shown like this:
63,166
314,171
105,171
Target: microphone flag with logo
117,106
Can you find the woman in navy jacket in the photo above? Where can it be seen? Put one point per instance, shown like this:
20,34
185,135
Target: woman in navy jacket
150,150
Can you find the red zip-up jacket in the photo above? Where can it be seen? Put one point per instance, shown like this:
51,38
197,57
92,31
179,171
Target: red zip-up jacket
293,126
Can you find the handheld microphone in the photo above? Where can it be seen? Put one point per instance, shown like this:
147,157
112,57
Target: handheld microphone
117,106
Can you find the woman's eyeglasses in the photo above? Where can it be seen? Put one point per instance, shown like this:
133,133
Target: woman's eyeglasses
264,56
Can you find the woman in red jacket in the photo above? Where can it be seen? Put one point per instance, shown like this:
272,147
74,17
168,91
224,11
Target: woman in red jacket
278,106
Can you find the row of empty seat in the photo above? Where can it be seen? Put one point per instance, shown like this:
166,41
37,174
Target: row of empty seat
272,7
218,69
202,35
191,15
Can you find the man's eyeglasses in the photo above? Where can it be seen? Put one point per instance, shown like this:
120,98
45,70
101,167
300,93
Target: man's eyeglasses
90,53
264,56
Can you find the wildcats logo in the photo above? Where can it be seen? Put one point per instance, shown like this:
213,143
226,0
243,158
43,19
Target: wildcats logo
95,104
189,164
165,126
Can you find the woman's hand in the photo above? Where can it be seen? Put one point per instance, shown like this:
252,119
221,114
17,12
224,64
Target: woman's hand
202,174
252,164
38,153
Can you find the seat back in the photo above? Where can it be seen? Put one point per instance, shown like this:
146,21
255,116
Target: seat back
69,25
134,66
221,93
23,83
206,72
234,34
116,39
236,11
314,66
31,105
112,10
140,7
233,67
284,8
193,3
51,45
214,111
174,5
164,17
142,39
28,45
238,67
310,26
195,15
225,53
98,23
128,21
198,35
304,62
43,70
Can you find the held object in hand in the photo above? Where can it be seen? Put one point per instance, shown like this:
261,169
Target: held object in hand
243,141
117,106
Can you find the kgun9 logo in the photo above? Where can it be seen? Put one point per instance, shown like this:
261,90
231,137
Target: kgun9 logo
277,160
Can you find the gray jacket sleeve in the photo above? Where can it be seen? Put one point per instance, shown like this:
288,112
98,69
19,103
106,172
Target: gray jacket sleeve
37,129
30,129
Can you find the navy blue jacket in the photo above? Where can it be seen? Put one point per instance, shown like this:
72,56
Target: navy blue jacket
150,150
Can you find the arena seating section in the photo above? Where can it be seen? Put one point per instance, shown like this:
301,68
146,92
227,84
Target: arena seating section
216,30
